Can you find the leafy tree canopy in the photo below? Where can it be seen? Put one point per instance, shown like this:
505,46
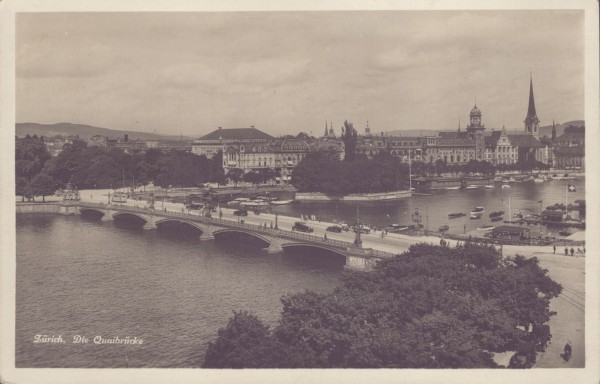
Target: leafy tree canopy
431,307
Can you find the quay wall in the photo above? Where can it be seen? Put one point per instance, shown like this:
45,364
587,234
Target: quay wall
318,196
52,207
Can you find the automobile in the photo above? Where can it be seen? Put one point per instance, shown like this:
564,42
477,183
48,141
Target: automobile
301,227
241,212
334,228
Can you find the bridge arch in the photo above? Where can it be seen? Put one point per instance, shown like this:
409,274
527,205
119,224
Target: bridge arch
244,232
318,246
195,225
85,210
138,215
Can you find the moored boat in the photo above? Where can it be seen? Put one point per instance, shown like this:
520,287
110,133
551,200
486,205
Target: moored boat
486,228
472,187
496,218
489,187
254,203
505,186
444,228
396,228
281,202
455,215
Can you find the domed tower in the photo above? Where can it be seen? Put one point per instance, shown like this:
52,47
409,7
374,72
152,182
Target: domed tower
475,132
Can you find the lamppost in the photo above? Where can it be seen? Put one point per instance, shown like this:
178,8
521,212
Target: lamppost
416,218
276,227
357,240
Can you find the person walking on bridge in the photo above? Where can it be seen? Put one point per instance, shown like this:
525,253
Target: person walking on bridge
554,248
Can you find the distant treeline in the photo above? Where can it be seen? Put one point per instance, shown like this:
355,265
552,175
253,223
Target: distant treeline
323,172
39,174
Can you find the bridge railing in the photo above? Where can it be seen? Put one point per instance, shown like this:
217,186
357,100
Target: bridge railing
247,226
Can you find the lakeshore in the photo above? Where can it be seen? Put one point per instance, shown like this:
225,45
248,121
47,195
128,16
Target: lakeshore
567,325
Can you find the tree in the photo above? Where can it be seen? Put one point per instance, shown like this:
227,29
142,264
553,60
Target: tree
235,175
245,342
30,156
22,187
350,139
431,307
304,136
42,185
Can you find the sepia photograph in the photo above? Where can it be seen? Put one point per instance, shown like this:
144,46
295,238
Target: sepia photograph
284,194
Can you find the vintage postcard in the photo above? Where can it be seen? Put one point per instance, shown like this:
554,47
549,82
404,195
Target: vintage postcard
299,191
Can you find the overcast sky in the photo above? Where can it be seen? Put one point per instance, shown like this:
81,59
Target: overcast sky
286,72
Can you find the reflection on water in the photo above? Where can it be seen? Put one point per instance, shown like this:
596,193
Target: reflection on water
81,277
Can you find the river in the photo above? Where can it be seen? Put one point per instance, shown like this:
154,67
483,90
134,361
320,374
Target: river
434,209
81,277
88,278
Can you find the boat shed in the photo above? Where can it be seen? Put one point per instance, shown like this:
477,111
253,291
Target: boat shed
510,231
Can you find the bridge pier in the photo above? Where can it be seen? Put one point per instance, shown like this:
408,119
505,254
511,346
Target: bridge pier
69,209
207,233
359,260
108,216
276,245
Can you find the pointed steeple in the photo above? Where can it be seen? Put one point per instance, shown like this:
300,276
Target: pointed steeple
458,123
531,109
553,130
325,135
531,121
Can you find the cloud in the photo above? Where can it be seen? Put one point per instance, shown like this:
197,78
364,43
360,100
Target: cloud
54,60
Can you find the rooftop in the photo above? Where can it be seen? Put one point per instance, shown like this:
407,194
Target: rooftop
237,134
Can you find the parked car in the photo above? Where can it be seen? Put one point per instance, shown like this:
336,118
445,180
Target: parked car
301,227
241,212
334,228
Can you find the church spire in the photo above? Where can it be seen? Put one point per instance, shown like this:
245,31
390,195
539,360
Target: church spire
531,121
531,109
325,135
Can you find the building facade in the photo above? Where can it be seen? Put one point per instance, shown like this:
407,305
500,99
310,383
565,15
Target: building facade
249,149
474,143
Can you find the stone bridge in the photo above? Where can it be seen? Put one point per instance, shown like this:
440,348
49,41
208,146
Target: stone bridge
357,258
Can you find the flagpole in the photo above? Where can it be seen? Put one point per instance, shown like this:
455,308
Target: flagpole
566,198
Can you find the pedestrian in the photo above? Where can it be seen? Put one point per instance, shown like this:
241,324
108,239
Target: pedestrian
566,251
572,251
442,242
554,248
584,249
325,236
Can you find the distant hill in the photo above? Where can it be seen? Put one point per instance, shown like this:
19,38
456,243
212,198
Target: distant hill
546,130
86,131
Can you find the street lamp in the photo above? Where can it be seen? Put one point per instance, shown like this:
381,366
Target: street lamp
416,218
357,240
276,227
